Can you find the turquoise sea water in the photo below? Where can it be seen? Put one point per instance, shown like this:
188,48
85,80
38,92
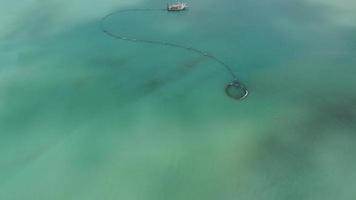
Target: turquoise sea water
85,116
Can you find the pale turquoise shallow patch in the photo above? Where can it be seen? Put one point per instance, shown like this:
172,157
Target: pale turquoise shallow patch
83,116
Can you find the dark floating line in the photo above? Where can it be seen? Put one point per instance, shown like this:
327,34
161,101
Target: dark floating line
231,88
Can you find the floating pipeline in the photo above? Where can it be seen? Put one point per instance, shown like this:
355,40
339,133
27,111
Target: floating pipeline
234,89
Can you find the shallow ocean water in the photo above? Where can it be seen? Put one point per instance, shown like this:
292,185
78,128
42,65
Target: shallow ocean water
85,116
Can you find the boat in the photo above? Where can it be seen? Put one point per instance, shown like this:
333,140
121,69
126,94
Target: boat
178,6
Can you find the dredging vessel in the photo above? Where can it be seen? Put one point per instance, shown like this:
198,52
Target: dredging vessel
178,6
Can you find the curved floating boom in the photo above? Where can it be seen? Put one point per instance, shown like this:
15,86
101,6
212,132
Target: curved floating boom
235,89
